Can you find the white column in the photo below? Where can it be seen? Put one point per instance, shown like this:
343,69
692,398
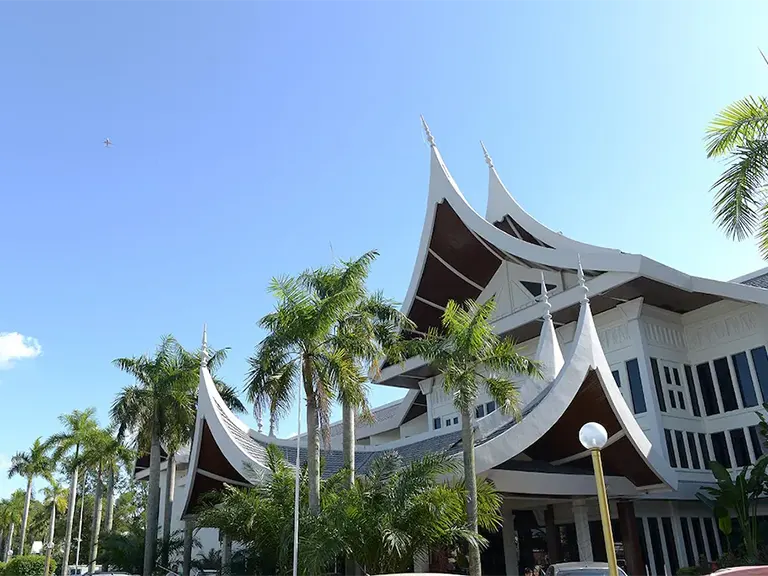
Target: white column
426,389
509,538
421,562
583,539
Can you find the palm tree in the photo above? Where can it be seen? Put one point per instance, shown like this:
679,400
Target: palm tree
55,496
29,465
11,511
739,133
470,355
116,454
79,425
161,408
299,350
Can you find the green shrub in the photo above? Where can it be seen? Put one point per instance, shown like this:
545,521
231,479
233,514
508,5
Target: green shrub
27,566
2,568
689,571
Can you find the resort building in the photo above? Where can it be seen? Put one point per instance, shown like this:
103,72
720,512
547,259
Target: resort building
673,366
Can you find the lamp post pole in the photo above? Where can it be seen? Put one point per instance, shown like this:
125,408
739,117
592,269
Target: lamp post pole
594,437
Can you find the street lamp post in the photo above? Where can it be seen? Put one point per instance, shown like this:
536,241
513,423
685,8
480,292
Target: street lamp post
594,437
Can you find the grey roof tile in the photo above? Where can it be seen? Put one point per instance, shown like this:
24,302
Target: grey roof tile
758,281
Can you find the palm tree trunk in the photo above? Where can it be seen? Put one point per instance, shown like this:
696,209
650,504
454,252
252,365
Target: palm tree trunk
470,481
95,524
110,514
49,545
348,442
25,516
70,523
153,504
313,439
9,542
170,488
80,525
2,544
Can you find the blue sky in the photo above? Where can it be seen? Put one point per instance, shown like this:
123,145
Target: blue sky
250,137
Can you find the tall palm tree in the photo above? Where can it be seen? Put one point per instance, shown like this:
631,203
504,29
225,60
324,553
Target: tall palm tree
160,407
55,496
739,133
299,351
79,425
116,456
30,465
469,355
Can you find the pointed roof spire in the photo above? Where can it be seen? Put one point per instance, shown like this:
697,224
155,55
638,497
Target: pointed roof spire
488,159
430,138
582,281
204,348
545,299
548,353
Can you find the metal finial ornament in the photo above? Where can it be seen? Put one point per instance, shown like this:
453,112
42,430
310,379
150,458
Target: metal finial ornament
488,159
430,138
545,299
582,281
204,348
261,426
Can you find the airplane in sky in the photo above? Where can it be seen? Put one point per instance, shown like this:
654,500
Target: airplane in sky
107,142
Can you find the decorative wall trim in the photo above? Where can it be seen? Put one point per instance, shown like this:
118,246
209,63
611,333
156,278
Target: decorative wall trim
720,331
614,338
664,336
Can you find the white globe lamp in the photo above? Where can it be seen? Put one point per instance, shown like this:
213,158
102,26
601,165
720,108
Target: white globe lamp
593,436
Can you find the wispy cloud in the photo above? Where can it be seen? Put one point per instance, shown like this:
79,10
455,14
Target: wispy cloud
15,346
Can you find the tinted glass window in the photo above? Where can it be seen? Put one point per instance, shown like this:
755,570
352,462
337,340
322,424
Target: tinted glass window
710,532
681,449
616,378
437,423
744,379
658,551
636,386
760,360
740,451
690,558
490,407
657,384
479,411
727,393
721,449
670,448
694,453
707,389
704,450
698,536
643,546
669,540
692,391
757,445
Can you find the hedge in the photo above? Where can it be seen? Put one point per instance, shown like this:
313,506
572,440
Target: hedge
28,566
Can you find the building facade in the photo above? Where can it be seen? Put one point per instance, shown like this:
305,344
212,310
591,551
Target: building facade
674,366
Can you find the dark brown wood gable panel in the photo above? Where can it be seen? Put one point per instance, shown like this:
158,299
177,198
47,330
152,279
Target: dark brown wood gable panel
455,243
211,459
622,459
201,485
424,316
589,405
505,226
527,236
439,284
418,408
663,296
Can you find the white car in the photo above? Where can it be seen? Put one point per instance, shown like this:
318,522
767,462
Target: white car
581,569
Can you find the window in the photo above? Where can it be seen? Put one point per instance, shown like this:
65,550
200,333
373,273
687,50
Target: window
669,540
479,411
694,453
688,545
670,448
692,391
658,551
616,378
672,385
704,451
636,385
710,532
681,452
657,384
437,423
720,447
760,360
455,419
708,388
641,533
724,382
740,450
698,536
757,445
490,407
744,379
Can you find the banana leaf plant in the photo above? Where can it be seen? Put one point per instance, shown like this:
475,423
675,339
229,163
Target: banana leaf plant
737,497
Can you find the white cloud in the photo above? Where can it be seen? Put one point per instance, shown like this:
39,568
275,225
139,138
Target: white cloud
15,346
